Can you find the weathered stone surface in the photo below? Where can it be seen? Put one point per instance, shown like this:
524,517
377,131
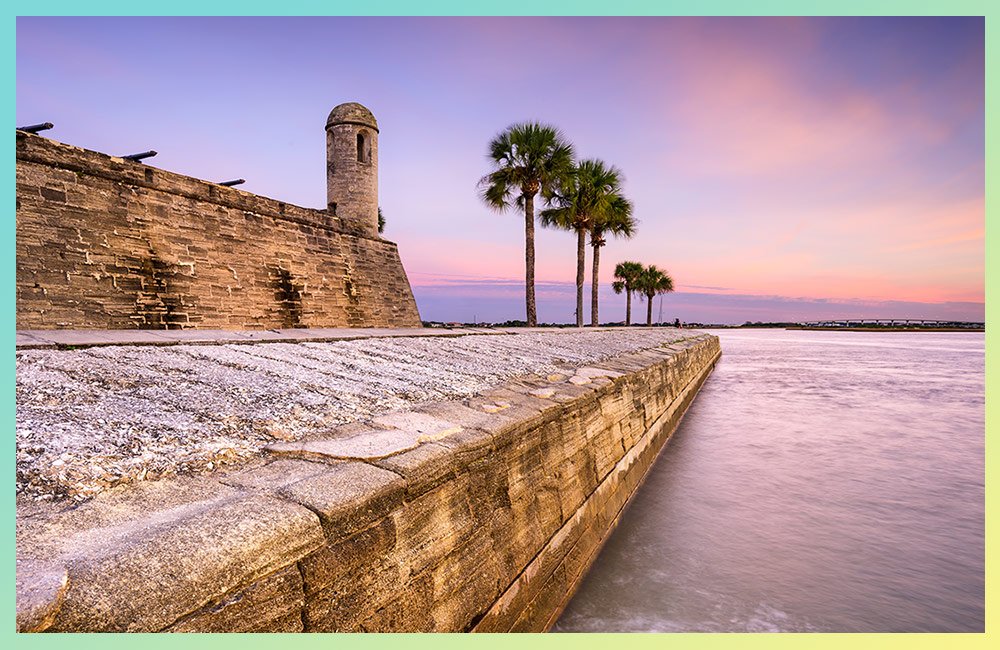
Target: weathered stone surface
40,592
539,613
432,525
275,474
513,411
349,496
113,517
535,598
595,372
407,612
466,582
91,419
487,528
352,167
106,243
272,604
47,338
424,467
183,563
427,427
369,444
350,578
389,435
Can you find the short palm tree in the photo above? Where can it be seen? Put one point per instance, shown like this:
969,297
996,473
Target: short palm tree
627,280
618,222
529,159
653,281
591,194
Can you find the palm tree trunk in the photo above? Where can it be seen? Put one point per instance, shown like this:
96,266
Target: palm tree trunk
581,263
529,260
628,307
649,310
593,287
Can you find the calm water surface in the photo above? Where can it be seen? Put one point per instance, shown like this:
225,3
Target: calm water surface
821,481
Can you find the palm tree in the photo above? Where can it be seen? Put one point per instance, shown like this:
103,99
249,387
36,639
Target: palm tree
627,279
619,223
591,194
529,159
653,281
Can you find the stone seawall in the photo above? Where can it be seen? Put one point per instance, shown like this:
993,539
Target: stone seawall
479,514
107,243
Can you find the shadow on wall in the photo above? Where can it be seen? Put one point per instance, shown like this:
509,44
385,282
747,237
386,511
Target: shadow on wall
155,303
288,295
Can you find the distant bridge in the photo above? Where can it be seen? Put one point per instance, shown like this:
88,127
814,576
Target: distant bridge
895,322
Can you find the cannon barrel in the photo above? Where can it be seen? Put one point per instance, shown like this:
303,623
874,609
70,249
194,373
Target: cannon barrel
139,156
35,128
238,181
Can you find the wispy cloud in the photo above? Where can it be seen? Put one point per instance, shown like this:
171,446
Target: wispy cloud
698,286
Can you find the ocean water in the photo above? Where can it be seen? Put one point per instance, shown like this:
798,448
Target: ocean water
821,481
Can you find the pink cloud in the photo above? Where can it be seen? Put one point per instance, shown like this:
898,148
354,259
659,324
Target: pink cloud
750,109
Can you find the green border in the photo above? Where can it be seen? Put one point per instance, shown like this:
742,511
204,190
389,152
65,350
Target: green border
520,7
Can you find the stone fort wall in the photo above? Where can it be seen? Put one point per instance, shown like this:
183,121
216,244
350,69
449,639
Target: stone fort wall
107,243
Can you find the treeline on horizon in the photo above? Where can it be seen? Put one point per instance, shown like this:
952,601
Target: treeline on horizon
675,323
970,325
533,160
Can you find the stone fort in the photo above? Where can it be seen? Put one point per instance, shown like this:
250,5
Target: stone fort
112,243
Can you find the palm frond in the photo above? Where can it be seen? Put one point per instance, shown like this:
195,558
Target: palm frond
653,281
528,158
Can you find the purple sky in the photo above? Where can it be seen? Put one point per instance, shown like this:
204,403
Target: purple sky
781,169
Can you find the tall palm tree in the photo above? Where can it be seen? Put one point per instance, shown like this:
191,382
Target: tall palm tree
653,281
627,280
529,159
589,195
617,222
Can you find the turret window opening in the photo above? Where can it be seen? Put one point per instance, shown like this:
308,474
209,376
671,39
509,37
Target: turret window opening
364,149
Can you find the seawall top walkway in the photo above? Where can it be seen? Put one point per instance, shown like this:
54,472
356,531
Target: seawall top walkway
42,339
100,409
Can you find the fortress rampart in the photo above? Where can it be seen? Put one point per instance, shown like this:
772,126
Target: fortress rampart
109,243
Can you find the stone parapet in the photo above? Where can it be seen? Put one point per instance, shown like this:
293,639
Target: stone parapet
108,243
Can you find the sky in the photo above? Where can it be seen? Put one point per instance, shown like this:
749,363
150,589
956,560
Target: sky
781,169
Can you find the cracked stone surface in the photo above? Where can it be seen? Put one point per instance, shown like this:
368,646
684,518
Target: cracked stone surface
94,418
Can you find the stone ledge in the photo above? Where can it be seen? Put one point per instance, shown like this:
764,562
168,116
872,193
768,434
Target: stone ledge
189,541
74,338
516,610
475,514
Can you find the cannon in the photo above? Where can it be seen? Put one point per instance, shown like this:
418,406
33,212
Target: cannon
136,157
35,128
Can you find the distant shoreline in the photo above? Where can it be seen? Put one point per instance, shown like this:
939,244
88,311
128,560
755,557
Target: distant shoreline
888,329
515,325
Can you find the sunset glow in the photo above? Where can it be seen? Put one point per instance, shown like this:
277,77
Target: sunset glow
781,169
